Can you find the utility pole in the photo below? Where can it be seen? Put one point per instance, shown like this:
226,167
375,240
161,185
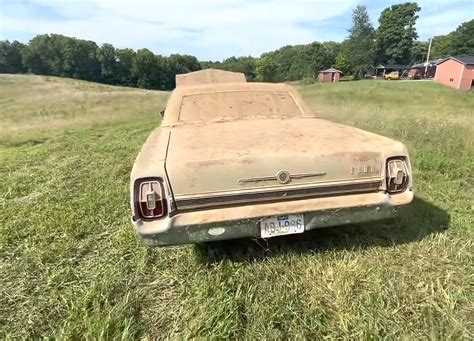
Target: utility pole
428,58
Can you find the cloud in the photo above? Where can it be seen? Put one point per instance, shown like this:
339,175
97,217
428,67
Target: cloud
209,29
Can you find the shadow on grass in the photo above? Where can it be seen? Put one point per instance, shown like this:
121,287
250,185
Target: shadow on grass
416,221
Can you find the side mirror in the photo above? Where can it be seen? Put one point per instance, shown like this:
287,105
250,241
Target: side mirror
162,113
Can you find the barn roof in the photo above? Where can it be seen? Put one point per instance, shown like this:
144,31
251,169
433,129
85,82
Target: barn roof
330,70
463,59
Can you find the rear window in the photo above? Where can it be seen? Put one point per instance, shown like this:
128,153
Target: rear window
237,105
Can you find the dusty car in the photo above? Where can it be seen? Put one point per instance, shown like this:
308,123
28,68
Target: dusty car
233,159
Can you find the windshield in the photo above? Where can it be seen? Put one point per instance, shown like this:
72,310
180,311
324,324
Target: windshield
233,105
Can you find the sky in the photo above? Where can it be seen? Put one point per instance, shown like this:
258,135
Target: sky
210,29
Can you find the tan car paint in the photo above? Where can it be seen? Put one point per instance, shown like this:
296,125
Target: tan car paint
215,158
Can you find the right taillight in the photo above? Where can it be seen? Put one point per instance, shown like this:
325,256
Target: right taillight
397,175
150,199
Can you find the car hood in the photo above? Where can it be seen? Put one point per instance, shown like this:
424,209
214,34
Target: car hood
246,155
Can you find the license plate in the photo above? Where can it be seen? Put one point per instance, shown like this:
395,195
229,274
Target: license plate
281,225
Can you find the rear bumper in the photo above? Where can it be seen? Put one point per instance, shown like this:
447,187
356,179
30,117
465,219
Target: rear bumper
243,221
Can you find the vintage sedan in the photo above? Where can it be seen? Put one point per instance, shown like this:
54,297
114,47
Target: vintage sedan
233,159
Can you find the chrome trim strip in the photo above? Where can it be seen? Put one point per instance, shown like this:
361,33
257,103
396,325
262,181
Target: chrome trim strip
277,176
276,195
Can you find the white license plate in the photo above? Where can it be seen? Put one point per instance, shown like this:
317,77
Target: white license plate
281,225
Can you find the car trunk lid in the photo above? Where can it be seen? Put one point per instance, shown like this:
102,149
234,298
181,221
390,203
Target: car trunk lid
257,156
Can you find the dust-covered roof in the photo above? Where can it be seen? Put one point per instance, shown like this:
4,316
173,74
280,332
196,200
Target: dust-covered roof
208,76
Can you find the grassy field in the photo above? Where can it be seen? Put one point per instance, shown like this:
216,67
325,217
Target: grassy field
71,265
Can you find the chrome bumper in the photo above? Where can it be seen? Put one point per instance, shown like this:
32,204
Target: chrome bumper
243,221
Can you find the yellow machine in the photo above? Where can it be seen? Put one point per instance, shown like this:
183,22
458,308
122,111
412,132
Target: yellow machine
392,75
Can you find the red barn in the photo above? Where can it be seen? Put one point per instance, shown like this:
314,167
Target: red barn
456,72
329,75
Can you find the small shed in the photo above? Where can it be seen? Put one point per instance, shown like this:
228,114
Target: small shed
329,75
456,72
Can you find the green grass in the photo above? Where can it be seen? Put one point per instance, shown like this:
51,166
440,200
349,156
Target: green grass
71,265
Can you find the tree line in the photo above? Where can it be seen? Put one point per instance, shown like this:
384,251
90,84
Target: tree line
58,55
393,42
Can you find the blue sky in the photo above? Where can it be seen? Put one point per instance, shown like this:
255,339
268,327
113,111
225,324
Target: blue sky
210,29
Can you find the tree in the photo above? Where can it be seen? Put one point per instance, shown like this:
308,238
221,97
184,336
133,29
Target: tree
144,69
332,49
440,47
266,69
342,62
10,57
39,55
294,62
180,64
79,59
419,52
462,40
360,45
107,58
396,33
124,58
62,56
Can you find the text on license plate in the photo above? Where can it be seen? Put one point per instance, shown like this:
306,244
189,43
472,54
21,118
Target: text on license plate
281,225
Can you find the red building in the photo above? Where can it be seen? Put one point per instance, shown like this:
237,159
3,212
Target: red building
329,75
456,72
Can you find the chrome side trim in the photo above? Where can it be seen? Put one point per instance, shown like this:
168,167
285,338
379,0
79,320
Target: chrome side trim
275,195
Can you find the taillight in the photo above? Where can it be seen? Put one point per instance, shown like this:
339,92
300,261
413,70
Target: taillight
150,199
397,175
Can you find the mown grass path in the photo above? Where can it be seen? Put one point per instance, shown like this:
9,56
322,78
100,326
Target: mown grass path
72,266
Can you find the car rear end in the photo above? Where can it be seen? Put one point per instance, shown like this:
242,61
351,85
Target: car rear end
190,186
160,220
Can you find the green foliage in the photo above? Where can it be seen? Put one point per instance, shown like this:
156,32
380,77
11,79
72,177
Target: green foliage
124,59
440,47
462,40
106,55
180,64
332,49
342,62
145,69
266,69
458,42
62,56
10,57
294,62
419,51
58,55
359,46
396,33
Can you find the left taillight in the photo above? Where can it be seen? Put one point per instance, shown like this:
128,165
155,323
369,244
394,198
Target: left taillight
150,199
